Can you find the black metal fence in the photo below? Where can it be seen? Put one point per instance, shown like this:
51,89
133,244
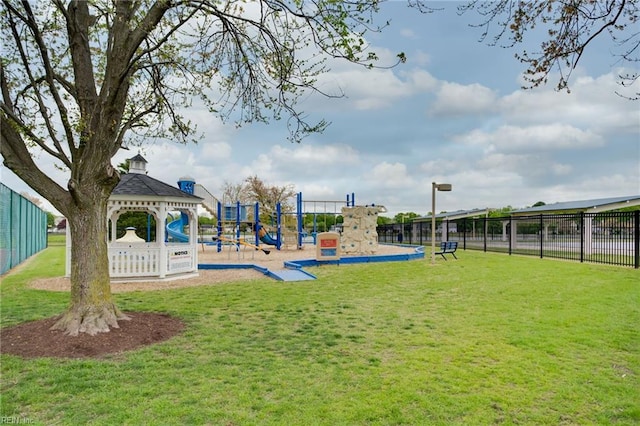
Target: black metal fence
609,238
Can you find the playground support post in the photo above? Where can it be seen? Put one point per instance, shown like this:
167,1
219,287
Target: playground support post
219,245
278,225
237,220
299,217
256,219
352,202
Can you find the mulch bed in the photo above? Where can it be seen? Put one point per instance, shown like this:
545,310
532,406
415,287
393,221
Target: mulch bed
35,339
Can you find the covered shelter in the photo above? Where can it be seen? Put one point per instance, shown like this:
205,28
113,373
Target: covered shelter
445,218
165,256
587,209
584,206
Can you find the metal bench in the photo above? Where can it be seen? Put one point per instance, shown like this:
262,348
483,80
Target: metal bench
448,247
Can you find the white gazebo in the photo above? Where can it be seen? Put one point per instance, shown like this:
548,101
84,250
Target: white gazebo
174,252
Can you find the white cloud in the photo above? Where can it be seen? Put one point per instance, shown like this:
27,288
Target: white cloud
436,167
419,58
612,185
368,89
219,151
388,175
314,191
511,163
422,80
408,33
592,103
458,99
561,169
550,137
314,154
298,164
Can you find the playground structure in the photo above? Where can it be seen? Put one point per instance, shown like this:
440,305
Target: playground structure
231,219
359,234
171,251
355,243
175,228
358,228
311,207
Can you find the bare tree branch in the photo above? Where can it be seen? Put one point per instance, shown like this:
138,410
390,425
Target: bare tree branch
571,27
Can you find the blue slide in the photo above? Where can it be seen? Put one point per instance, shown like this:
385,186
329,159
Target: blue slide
266,238
175,227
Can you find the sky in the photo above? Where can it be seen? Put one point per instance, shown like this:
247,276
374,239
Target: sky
453,113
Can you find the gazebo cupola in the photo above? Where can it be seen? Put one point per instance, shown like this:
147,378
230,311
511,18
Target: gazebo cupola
138,164
173,252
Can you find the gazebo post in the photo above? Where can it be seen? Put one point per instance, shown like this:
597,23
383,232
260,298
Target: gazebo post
114,226
160,239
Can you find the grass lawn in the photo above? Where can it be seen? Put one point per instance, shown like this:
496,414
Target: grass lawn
486,339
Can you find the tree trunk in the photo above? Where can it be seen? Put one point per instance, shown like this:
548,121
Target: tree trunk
92,309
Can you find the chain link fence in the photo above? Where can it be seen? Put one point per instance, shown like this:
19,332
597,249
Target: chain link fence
23,229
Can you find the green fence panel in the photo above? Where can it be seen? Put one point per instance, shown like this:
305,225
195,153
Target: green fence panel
5,228
23,229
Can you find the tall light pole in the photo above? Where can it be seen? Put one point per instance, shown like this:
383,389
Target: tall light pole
435,187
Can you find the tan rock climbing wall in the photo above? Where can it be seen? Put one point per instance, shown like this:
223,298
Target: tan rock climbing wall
359,235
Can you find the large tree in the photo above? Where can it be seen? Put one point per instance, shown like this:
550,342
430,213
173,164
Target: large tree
268,196
77,77
234,192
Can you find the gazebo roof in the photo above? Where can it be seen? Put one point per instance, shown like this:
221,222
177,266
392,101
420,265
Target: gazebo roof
143,185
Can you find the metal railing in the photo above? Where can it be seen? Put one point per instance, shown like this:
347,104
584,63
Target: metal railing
610,238
209,202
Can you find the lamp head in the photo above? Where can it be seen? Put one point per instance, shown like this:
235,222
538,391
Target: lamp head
443,187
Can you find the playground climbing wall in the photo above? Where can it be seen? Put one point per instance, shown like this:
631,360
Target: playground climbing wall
359,233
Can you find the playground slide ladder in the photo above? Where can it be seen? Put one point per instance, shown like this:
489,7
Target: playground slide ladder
209,202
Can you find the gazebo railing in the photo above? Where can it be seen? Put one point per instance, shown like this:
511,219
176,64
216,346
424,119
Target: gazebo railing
137,261
143,260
